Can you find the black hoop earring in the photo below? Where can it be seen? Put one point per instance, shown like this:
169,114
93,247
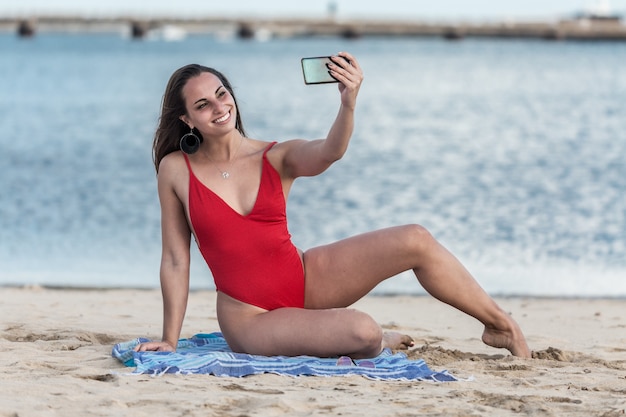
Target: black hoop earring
190,143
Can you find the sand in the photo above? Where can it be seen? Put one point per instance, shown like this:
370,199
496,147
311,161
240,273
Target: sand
55,360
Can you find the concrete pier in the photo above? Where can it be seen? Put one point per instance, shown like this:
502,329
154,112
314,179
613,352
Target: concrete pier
572,29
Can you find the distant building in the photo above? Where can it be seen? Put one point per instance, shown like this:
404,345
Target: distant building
600,12
331,10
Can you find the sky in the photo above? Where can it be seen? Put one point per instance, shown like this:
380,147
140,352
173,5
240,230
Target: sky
407,9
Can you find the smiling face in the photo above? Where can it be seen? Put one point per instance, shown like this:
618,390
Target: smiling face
210,107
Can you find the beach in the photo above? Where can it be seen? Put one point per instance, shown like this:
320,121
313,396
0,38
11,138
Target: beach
56,360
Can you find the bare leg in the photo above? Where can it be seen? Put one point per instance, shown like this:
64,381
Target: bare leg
339,274
294,331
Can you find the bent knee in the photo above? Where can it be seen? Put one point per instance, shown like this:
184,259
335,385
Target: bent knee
417,238
367,334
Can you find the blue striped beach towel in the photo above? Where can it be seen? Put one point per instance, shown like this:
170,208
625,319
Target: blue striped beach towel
209,354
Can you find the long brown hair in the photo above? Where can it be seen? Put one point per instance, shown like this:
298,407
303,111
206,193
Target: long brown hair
171,128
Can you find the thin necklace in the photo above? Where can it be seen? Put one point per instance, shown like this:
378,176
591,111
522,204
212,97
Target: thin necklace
226,174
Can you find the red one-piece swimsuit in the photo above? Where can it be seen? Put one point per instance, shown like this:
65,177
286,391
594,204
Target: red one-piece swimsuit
251,256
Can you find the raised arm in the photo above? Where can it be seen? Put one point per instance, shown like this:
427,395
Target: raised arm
174,258
308,158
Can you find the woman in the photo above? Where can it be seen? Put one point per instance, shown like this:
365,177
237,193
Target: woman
274,299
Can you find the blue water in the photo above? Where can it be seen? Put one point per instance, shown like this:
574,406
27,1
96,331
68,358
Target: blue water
510,152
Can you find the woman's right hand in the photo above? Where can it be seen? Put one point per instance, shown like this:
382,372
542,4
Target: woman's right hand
154,347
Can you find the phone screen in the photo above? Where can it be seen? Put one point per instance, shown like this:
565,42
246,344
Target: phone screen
315,70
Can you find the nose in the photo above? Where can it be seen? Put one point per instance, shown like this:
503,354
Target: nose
219,108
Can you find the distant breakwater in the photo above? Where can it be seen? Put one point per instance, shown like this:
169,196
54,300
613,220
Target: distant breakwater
581,29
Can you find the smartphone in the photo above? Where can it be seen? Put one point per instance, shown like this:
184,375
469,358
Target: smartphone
315,70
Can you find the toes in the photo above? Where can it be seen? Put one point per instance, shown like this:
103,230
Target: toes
409,341
396,340
406,342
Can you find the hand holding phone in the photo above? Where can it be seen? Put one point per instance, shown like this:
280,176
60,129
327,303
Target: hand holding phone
315,70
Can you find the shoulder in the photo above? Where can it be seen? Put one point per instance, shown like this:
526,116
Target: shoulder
280,149
257,146
172,167
172,161
274,150
273,147
279,154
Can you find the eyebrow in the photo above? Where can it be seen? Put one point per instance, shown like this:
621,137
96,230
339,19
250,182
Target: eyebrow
204,99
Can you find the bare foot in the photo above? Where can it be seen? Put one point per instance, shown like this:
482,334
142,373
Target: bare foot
395,341
509,336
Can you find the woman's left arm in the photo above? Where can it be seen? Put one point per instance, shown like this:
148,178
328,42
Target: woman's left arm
308,158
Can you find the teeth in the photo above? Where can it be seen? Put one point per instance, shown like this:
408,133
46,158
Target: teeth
223,118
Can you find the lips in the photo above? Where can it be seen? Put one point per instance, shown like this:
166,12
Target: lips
222,119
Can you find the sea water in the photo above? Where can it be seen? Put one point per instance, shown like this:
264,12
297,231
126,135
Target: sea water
512,153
